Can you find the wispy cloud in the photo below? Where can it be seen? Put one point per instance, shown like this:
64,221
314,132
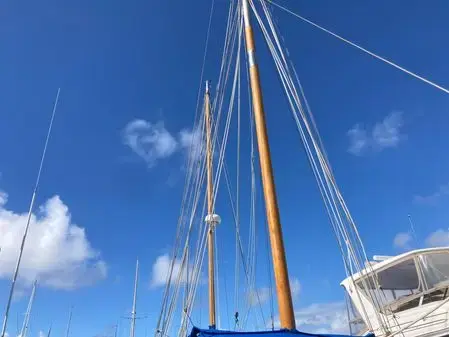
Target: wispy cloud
385,134
161,271
322,318
57,252
153,142
433,198
295,287
3,198
149,141
403,240
262,295
192,142
439,238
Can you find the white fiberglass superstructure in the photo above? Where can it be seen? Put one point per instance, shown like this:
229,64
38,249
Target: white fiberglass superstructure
405,295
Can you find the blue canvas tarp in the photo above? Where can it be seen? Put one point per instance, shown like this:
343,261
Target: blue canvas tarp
272,333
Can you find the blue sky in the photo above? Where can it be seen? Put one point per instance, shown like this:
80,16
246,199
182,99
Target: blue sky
117,62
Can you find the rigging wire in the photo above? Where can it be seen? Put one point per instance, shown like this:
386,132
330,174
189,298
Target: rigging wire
383,59
237,222
206,45
328,176
291,93
226,63
194,193
217,280
269,275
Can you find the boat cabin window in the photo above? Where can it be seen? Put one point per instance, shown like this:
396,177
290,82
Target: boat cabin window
393,289
408,284
435,271
435,268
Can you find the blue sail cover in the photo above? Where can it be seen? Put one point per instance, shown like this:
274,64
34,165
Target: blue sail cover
271,333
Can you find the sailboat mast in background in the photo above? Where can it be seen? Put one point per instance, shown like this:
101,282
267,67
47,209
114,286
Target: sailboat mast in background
69,322
274,225
26,321
212,219
49,331
27,226
133,312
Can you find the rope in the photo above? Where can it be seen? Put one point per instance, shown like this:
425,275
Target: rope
383,59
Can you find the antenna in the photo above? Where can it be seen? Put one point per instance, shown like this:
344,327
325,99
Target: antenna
412,227
133,316
133,313
19,259
26,320
69,322
49,330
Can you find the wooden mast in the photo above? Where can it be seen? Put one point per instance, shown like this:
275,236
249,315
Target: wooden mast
284,296
210,208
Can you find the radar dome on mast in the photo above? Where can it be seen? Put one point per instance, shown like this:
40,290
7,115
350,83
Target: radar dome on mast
213,220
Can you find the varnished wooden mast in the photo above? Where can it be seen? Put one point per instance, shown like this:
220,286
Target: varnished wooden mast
210,208
284,296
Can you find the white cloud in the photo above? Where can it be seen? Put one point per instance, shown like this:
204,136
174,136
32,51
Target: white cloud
385,134
402,240
3,198
19,292
57,252
262,295
439,238
42,334
153,142
192,142
295,287
149,141
322,318
358,139
432,199
161,270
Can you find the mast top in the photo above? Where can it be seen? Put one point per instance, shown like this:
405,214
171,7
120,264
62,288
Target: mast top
207,86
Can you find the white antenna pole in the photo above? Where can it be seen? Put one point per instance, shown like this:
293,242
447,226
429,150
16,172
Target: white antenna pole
49,331
69,322
26,320
133,313
412,228
19,259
